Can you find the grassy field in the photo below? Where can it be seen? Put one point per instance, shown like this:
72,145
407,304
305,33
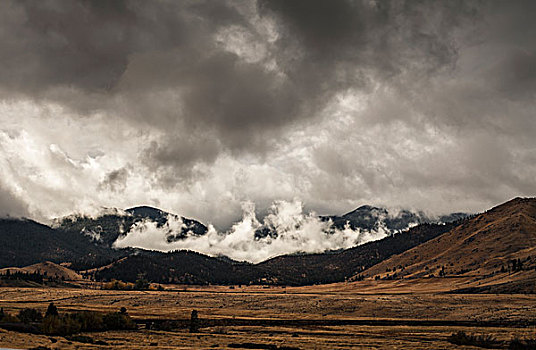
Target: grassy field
338,316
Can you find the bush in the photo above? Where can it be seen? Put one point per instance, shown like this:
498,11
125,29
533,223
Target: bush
29,315
115,320
81,339
67,324
118,285
142,284
526,344
166,325
86,321
483,341
56,325
89,320
7,318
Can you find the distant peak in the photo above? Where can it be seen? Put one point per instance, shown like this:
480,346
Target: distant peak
515,205
146,211
143,207
366,209
521,200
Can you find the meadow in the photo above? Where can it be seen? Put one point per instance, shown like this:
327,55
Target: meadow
419,314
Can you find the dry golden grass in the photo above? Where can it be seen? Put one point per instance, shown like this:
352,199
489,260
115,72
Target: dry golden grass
482,246
46,268
347,337
399,300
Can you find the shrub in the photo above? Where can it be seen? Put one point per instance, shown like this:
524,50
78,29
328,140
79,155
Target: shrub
142,284
166,325
118,285
89,320
220,330
86,321
484,341
525,344
56,325
6,317
81,339
29,315
116,320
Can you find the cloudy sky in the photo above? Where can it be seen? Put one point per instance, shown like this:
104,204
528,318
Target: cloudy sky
198,107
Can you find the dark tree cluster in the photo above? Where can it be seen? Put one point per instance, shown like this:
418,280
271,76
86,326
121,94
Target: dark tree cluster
186,267
23,276
54,323
517,265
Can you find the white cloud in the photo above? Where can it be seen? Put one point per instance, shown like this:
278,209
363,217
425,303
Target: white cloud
422,106
297,232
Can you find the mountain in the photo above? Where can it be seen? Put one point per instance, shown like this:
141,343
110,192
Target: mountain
370,218
24,242
185,267
86,243
180,267
46,268
105,229
339,265
496,250
499,241
191,267
146,212
367,218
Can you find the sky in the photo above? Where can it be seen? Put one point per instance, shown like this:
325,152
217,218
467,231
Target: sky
202,108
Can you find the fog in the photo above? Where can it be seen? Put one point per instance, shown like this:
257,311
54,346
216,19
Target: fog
297,232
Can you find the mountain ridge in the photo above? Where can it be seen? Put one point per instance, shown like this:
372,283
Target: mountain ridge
498,241
480,245
115,224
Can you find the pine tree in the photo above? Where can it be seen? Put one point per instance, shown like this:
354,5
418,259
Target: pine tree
52,310
194,322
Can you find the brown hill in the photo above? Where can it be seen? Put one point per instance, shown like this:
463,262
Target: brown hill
499,245
48,268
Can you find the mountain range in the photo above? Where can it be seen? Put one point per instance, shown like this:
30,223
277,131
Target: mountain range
499,241
369,218
491,245
105,229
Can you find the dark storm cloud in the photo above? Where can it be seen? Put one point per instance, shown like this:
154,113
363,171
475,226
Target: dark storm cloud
337,100
47,44
85,45
115,180
342,44
85,53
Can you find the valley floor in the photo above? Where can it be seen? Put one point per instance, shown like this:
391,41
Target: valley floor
338,316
